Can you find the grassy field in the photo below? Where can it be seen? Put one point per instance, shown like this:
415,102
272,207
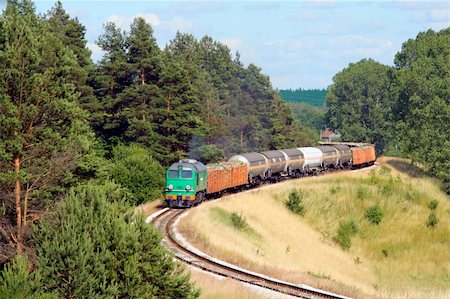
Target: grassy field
335,245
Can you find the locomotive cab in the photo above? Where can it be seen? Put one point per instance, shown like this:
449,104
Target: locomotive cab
185,183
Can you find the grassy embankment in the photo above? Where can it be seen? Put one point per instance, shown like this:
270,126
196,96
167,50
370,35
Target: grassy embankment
402,256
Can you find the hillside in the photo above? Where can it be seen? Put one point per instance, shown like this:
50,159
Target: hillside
314,97
404,256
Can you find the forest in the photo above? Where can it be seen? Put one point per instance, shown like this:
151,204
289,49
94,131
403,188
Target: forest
82,143
313,97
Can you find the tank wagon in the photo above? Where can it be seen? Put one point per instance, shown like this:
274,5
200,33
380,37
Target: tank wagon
190,182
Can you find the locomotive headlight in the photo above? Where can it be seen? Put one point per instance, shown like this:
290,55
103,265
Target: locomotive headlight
170,187
188,187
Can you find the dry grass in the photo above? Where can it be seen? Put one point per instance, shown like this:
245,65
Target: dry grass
149,208
216,287
400,257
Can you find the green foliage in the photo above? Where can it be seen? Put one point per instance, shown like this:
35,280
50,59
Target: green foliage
238,221
17,282
335,189
42,126
433,204
432,220
384,170
208,153
313,97
345,232
294,202
374,214
135,170
362,192
358,103
309,116
421,86
93,246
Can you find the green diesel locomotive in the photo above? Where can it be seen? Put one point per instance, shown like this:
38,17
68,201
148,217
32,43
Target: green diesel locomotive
185,183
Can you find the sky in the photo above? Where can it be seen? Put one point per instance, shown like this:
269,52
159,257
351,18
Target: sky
299,44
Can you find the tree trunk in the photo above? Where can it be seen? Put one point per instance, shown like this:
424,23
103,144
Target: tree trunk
25,205
17,193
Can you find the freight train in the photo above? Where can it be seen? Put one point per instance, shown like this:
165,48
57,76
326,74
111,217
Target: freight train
189,182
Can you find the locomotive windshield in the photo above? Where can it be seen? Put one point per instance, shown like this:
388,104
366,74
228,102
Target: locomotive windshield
172,174
186,174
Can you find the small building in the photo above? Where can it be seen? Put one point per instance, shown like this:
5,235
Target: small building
328,135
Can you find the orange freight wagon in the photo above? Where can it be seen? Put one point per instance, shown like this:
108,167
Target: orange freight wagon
370,154
226,175
238,174
217,178
363,155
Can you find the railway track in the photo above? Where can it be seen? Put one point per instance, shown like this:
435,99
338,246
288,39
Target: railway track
166,220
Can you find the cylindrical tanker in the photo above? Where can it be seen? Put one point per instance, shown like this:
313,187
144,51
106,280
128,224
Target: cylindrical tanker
257,163
345,154
330,156
276,160
295,159
313,158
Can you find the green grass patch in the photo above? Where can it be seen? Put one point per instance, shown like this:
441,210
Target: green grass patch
294,202
319,275
345,232
234,220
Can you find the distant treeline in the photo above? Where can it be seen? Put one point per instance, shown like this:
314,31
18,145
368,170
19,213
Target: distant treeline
315,97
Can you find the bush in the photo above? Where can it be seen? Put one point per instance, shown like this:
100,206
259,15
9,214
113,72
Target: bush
238,221
17,282
374,214
385,170
412,196
433,204
344,233
294,203
432,220
94,247
135,169
207,153
362,192
335,189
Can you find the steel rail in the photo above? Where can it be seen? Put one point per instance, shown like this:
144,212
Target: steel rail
165,222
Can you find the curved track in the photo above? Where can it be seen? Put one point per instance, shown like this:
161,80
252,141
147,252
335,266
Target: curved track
166,221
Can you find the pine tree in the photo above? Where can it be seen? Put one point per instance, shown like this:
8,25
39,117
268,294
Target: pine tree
93,246
72,34
43,130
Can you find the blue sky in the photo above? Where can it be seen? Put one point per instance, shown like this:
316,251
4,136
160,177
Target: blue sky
297,43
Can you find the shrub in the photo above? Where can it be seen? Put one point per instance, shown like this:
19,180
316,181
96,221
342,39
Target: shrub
374,214
385,170
238,221
412,196
344,233
335,189
433,204
17,282
294,203
136,170
362,192
94,247
432,220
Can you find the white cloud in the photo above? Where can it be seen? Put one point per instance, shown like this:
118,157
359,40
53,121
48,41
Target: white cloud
322,4
232,43
120,21
178,24
149,18
125,22
169,25
97,52
440,14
